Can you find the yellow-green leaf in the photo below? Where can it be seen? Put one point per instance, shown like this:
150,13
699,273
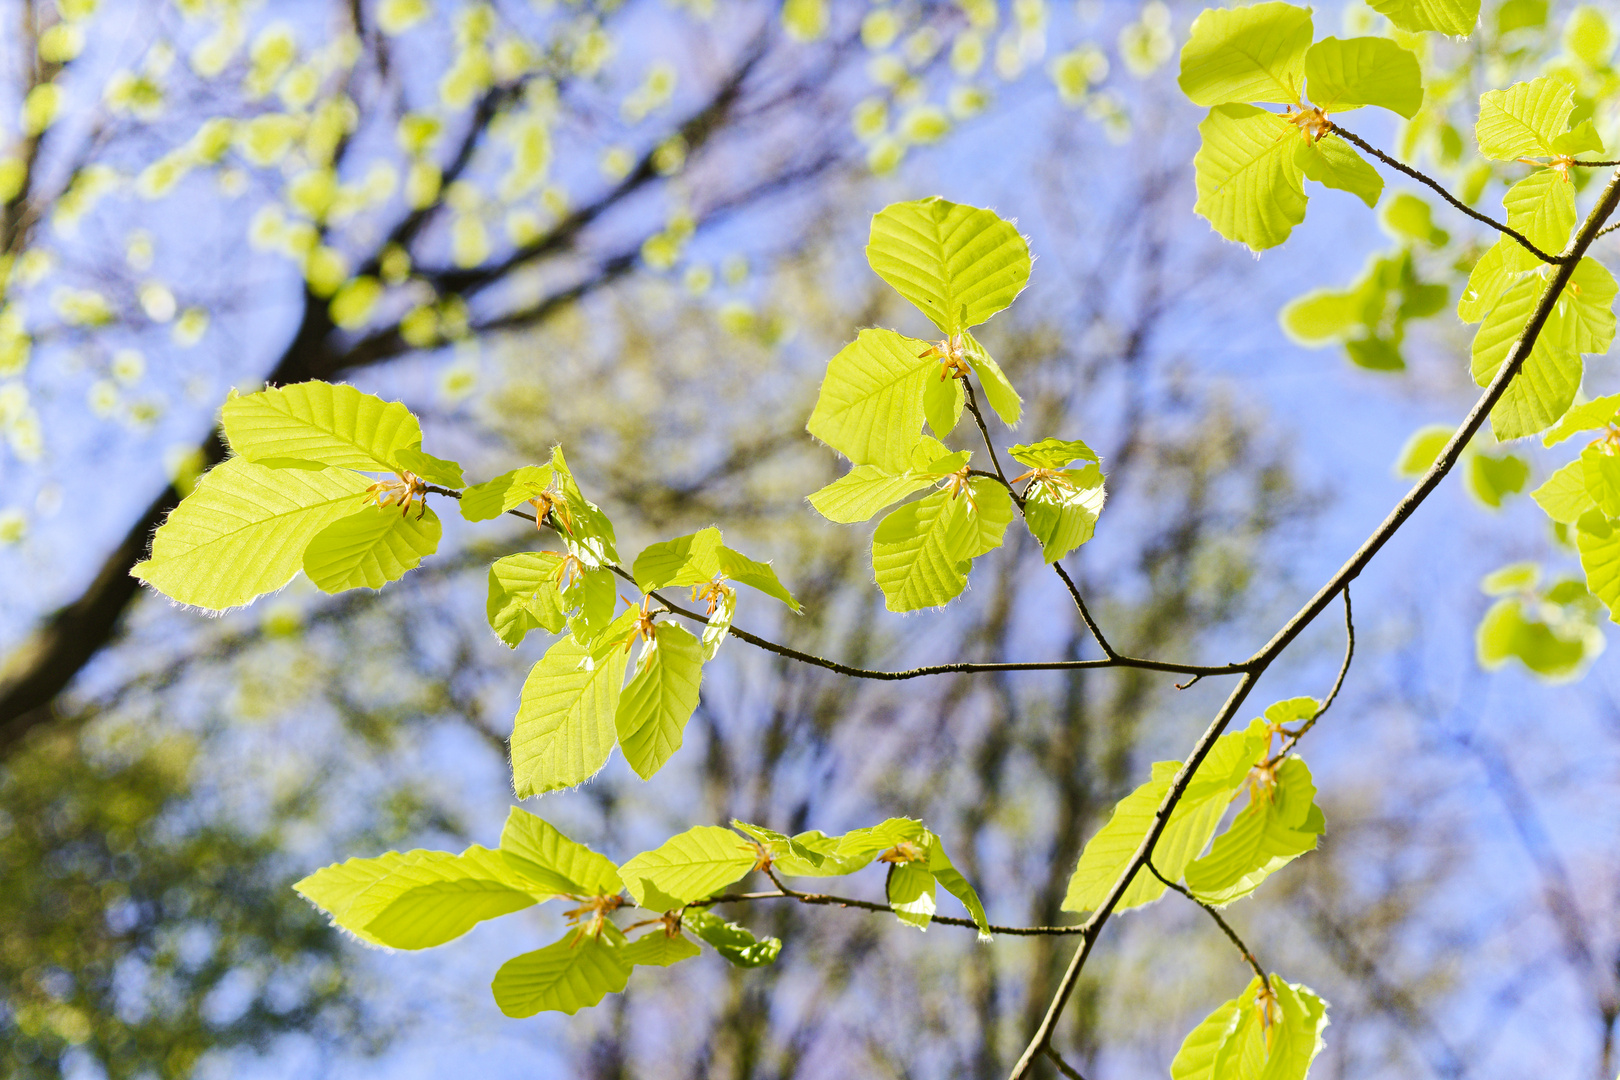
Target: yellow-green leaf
550,863
369,549
1250,185
958,264
870,408
690,866
1244,54
565,976
564,732
1343,74
329,423
662,695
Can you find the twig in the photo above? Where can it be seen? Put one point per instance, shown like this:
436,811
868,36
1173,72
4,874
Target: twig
1226,927
1063,1066
828,900
1401,166
1338,683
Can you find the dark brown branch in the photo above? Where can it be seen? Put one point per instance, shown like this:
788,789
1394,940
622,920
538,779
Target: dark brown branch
828,900
1401,166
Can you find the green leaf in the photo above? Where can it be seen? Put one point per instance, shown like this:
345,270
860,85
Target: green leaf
1334,163
1515,577
943,871
565,976
719,624
660,699
585,528
1542,206
1272,831
1564,496
417,899
1343,74
1524,119
958,264
1545,385
731,940
1249,1039
1253,53
330,423
508,491
1421,449
551,863
1510,632
865,490
1322,316
369,549
756,575
658,949
685,560
1454,17
1582,318
1583,138
1191,824
590,599
922,552
910,891
688,867
778,845
943,402
870,408
1598,541
1062,510
1409,218
1491,277
523,596
1053,453
819,858
430,469
1600,470
1492,477
999,392
243,529
1250,185
564,731
858,847
1291,709
1597,413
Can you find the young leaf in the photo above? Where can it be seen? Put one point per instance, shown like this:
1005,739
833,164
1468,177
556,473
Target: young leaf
430,469
1053,453
589,597
1542,206
1510,631
1191,824
1597,413
1598,541
910,891
523,596
1347,74
985,524
999,393
732,941
1253,1038
658,949
719,624
565,976
369,549
1490,278
1421,449
1545,385
660,699
916,552
243,530
1254,53
1332,162
870,408
943,871
1524,119
417,899
688,867
508,491
1564,495
1271,832
586,529
330,423
858,847
865,490
550,863
1582,319
685,560
756,575
1583,138
958,264
564,730
1454,17
943,402
1061,510
1250,186
1600,471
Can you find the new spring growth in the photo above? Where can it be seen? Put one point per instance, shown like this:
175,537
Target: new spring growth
1313,123
952,361
712,592
590,917
957,484
644,626
406,488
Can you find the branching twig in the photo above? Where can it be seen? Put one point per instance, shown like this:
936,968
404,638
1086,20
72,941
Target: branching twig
1226,927
828,900
1063,1066
1338,683
1401,166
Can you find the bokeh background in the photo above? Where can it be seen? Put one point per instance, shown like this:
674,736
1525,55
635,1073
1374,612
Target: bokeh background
636,229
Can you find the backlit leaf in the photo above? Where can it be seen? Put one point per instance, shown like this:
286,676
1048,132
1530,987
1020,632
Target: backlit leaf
523,596
870,408
564,732
1564,496
731,940
660,699
565,976
690,866
1253,53
1343,74
550,862
1334,163
508,491
958,264
1524,119
371,548
330,423
1268,834
685,560
1250,186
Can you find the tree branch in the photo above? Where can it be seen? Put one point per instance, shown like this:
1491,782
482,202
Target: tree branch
1226,928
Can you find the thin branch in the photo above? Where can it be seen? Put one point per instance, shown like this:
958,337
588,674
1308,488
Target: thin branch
1261,660
1063,1066
1401,166
984,432
828,900
1338,683
1226,927
1607,229
1113,661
